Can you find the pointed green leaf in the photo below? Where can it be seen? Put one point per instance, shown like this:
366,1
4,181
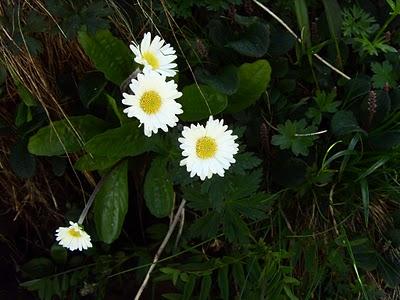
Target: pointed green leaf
67,135
111,204
195,99
253,81
223,283
109,54
158,189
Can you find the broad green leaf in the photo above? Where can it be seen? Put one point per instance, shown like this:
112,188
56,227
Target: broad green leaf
226,82
111,204
91,87
89,162
281,42
253,81
38,267
120,142
344,122
254,42
158,189
58,254
67,135
109,54
385,140
22,162
194,102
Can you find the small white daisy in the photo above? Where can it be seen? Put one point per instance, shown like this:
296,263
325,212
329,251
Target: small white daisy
209,149
154,55
153,102
73,237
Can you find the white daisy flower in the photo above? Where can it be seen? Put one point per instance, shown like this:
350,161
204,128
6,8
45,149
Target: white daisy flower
153,102
154,55
209,149
73,237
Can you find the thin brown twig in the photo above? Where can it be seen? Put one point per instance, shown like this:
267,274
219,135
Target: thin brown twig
161,248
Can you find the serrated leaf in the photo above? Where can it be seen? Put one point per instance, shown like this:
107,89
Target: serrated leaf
290,137
158,189
194,101
109,54
46,141
253,81
207,226
111,204
383,75
235,229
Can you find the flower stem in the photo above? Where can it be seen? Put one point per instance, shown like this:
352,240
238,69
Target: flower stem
94,193
383,28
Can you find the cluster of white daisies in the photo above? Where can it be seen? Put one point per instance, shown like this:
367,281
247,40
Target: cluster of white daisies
207,149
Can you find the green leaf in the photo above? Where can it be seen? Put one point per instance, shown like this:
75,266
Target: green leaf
385,140
300,7
365,199
389,271
223,283
290,137
194,104
344,122
205,287
253,81
91,87
158,189
109,54
59,137
24,93
189,287
89,162
226,82
120,142
383,75
334,17
38,267
58,254
254,42
207,226
111,204
21,161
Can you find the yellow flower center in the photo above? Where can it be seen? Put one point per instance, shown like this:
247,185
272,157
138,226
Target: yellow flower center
151,59
206,147
150,102
74,232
